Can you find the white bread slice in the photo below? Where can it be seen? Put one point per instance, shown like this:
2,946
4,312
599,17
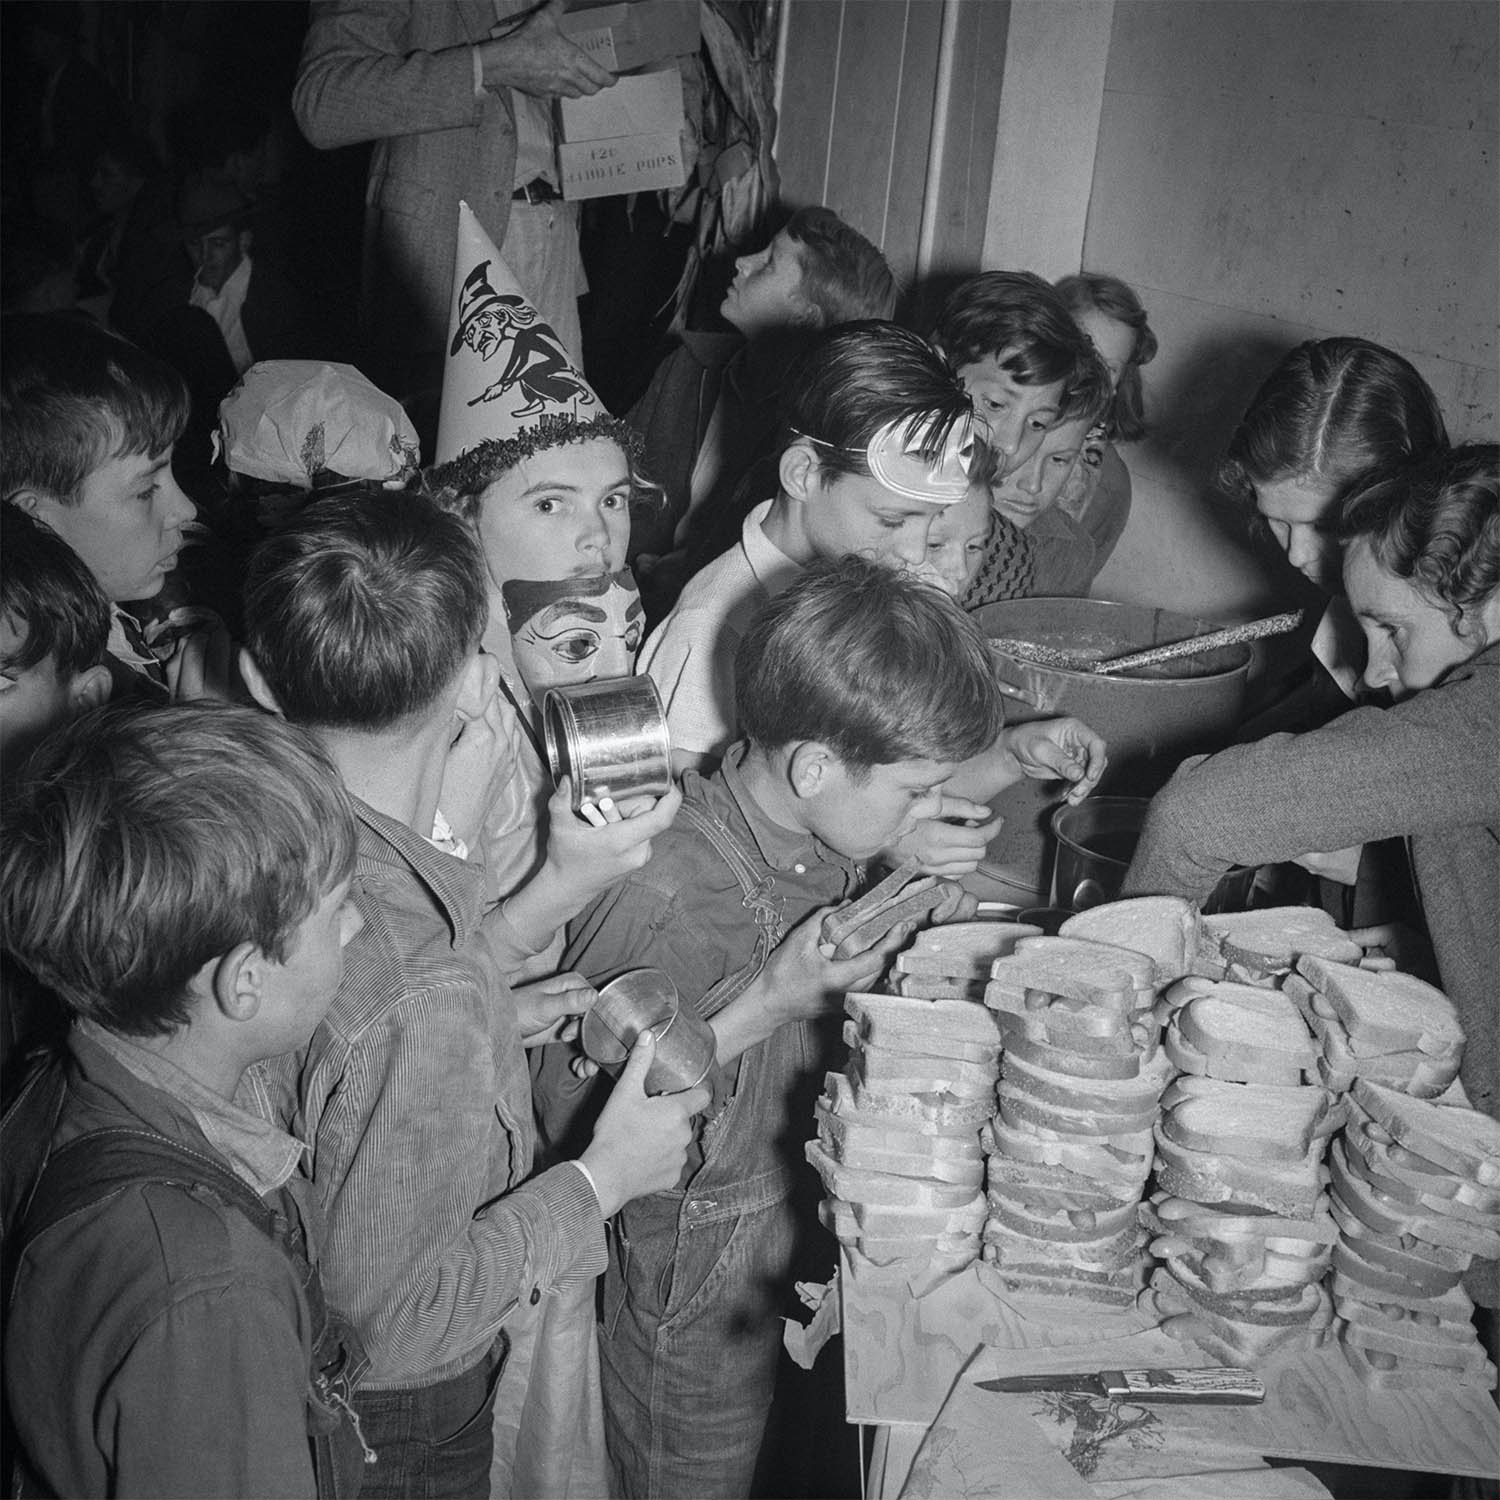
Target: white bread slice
1165,1214
1087,1031
1164,928
1107,1253
847,1126
882,1221
1247,1268
912,1242
1240,1066
1431,1267
1346,1289
1019,1185
962,950
1269,1306
1463,1140
1391,1354
1413,1072
1066,1284
1178,993
1449,1317
882,1070
865,1151
1270,941
1382,1283
1383,1372
1062,1224
1110,1167
1239,1343
1094,955
937,987
1122,1095
1426,1178
1019,1106
1237,1020
1243,1119
855,1185
925,1028
1387,1011
943,1113
1290,1188
1387,1215
1019,1036
1072,974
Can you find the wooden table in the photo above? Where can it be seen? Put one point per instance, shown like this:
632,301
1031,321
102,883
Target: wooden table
911,1356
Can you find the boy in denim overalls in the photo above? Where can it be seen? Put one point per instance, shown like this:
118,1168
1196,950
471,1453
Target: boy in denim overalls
858,690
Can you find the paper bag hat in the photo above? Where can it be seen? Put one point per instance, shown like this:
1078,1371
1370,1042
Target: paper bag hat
504,366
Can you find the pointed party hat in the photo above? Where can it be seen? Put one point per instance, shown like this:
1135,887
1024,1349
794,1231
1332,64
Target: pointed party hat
504,367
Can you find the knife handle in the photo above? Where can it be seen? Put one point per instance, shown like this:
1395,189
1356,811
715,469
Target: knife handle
1212,1384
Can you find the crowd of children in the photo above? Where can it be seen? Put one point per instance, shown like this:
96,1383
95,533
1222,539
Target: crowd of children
310,1189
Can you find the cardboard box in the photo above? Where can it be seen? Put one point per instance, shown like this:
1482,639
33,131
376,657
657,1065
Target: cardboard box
637,104
625,164
622,37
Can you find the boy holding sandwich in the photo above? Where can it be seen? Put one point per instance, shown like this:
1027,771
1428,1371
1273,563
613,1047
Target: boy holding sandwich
849,738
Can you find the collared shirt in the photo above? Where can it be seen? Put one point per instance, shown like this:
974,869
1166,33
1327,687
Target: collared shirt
226,307
691,653
414,1097
259,1152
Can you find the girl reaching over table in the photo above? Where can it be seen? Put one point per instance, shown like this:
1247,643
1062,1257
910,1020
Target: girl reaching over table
1421,570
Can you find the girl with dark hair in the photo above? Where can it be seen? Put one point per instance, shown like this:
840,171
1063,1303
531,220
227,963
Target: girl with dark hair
1421,568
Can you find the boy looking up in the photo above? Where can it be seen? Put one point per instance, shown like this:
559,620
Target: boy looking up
708,417
165,1336
54,623
850,735
363,621
87,427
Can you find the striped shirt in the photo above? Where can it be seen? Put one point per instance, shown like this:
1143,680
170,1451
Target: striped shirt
415,1100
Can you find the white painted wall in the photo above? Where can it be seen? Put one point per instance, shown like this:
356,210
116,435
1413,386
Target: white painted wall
1272,172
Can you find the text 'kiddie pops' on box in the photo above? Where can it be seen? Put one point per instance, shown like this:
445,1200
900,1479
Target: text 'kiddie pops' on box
624,139
621,37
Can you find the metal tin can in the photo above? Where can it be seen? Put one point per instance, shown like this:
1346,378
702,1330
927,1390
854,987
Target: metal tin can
610,736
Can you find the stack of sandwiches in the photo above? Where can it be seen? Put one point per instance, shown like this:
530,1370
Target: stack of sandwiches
1416,1193
898,1131
1241,1221
1070,1147
1385,1027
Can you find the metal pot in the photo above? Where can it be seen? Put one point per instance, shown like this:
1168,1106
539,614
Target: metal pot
1151,720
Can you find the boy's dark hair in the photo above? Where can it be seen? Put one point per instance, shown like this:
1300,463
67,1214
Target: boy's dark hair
365,609
50,597
857,378
870,662
1342,410
843,275
72,397
1437,525
150,840
1017,319
1093,291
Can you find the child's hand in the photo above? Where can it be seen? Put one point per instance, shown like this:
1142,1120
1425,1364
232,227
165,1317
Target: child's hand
640,1143
802,978
588,855
952,843
1049,749
547,1010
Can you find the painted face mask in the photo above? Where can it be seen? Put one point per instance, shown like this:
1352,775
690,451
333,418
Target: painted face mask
567,630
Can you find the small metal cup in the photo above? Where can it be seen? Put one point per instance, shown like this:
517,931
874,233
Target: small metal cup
610,736
646,999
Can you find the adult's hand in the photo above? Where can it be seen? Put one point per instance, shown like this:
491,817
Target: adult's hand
536,58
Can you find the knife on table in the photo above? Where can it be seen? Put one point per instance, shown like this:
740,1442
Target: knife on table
1210,1385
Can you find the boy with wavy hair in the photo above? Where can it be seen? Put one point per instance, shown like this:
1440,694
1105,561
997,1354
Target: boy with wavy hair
849,737
179,878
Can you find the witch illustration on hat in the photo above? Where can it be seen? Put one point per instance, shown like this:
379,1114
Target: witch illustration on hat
529,456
